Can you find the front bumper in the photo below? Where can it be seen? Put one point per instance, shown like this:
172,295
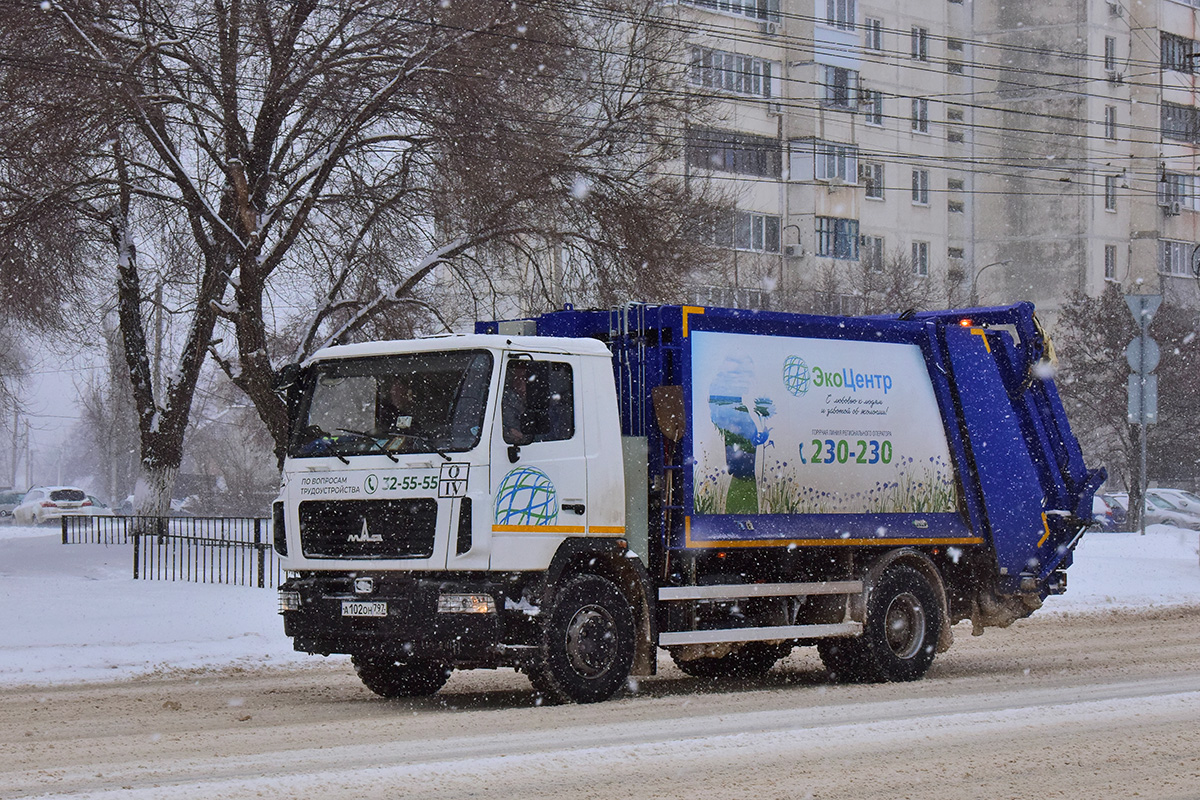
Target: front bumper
412,626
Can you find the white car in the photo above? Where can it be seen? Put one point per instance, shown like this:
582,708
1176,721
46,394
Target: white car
52,503
1179,499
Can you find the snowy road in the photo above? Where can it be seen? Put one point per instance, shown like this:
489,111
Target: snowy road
1057,706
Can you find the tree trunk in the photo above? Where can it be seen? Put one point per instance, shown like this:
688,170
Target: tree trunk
152,496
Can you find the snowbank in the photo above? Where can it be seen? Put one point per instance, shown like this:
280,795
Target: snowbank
72,613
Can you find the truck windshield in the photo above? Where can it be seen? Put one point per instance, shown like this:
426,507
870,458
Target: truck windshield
410,403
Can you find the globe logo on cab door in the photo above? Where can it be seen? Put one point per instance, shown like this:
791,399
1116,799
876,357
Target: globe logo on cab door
526,496
795,375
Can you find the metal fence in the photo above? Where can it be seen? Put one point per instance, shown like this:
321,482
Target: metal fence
229,550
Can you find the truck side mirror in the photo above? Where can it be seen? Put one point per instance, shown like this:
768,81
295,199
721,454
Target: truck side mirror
286,376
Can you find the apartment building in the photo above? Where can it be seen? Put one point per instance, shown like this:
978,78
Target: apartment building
988,151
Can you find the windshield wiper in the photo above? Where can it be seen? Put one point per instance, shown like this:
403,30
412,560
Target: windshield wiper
371,438
423,439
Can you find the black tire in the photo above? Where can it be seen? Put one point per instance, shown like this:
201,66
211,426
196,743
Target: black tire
393,678
899,638
587,643
751,661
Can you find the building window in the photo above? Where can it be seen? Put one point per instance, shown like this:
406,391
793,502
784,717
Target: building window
920,44
755,9
1180,122
871,104
872,253
840,14
730,72
840,87
920,115
1110,192
870,175
1110,261
757,232
744,230
722,151
1177,187
920,258
1110,53
920,187
1110,122
837,238
874,34
1176,53
836,162
1174,257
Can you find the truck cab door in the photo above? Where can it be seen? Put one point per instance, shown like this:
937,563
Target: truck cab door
539,468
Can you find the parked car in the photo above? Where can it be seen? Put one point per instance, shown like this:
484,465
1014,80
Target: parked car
1158,512
1118,504
8,501
1102,514
1180,499
51,503
100,508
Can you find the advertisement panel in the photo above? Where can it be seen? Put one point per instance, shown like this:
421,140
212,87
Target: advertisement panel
789,425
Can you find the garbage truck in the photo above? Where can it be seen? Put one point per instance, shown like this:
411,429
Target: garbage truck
571,493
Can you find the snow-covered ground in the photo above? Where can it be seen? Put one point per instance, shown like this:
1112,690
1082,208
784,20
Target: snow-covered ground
73,613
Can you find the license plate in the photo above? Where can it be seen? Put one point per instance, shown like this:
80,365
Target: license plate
357,608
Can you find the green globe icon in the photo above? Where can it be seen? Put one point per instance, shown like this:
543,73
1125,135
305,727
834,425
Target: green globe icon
795,375
526,497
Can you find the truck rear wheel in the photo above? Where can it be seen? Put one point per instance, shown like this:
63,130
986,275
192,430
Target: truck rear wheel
389,677
751,661
899,638
587,643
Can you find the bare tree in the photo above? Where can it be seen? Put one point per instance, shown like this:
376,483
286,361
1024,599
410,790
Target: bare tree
269,177
890,284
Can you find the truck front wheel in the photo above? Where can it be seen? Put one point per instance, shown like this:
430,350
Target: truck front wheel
899,638
390,677
587,642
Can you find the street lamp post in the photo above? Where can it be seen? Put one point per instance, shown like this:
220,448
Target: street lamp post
975,279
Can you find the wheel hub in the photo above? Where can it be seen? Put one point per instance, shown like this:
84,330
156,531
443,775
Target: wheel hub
905,625
591,641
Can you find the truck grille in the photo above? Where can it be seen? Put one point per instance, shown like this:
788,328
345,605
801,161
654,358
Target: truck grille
368,528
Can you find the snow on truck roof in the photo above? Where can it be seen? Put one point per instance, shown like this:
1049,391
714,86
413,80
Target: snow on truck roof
470,341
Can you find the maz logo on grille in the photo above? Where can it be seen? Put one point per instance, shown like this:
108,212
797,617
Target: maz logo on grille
365,535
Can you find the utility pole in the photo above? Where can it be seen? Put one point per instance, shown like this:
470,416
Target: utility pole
1142,354
16,432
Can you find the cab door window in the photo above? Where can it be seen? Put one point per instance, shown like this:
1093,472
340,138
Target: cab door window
538,404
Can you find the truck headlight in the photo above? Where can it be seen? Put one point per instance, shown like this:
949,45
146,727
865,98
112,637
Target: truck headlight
466,604
289,601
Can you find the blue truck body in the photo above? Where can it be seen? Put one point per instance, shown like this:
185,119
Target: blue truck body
1025,493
